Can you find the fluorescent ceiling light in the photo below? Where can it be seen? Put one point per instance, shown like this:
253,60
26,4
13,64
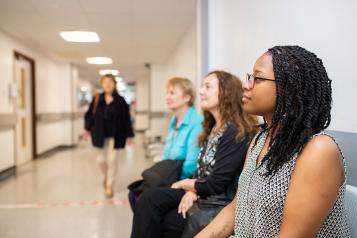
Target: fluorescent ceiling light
99,60
79,36
109,71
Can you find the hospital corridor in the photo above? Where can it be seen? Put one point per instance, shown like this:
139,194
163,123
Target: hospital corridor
178,119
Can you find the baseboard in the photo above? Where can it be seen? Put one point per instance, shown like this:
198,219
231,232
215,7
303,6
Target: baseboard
7,173
54,150
140,130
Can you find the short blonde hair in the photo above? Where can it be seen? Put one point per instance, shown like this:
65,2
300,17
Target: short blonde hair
186,85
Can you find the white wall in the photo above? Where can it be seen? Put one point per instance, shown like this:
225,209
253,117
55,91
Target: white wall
7,137
240,31
142,104
6,75
53,87
53,95
78,123
50,135
182,62
7,154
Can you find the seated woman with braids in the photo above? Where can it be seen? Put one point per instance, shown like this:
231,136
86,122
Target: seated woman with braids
293,181
227,131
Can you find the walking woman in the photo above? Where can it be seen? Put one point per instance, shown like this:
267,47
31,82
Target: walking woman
227,130
108,122
293,182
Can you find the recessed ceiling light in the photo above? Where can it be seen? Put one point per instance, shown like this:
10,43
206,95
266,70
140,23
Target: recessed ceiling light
79,36
99,60
109,71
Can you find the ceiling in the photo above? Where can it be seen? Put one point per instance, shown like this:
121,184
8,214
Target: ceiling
132,32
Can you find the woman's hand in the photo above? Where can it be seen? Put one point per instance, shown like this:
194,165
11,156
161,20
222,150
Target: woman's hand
177,185
85,135
185,184
186,203
129,141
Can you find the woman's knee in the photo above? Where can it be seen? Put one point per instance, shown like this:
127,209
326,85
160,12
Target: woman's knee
100,159
148,196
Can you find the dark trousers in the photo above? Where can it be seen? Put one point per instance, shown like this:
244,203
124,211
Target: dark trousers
156,216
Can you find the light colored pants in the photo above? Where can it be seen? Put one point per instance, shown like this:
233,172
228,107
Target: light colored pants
107,159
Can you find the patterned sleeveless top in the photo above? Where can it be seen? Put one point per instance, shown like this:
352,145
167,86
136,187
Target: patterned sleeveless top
259,210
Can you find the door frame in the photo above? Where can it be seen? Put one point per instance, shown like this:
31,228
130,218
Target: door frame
18,55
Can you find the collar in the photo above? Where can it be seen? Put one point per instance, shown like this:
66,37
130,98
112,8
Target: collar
185,121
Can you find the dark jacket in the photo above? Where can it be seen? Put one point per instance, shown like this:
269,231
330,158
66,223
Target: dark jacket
229,157
122,124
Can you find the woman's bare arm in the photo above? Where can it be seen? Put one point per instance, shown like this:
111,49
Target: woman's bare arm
313,190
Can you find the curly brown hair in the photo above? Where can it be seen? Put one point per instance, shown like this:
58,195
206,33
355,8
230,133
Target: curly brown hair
230,107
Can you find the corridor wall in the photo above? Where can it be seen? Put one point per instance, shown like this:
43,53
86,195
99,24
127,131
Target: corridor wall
182,62
240,31
54,98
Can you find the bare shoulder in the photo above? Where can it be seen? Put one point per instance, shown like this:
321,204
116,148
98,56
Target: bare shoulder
321,148
321,156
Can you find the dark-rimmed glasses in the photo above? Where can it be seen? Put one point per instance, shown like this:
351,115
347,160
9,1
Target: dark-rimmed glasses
250,80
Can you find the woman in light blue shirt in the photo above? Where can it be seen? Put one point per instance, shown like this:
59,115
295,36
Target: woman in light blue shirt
185,126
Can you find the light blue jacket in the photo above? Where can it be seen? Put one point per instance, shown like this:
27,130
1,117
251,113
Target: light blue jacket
184,146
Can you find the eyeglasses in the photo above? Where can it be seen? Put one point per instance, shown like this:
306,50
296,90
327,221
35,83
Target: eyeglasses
250,80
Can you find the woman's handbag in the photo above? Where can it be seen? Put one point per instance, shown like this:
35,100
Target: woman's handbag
202,212
95,104
94,109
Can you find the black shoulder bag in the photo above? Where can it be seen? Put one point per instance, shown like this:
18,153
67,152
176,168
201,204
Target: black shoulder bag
202,213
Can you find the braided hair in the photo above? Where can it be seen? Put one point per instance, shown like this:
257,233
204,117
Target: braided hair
303,102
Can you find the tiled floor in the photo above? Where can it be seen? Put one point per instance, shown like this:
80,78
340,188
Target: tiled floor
62,196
